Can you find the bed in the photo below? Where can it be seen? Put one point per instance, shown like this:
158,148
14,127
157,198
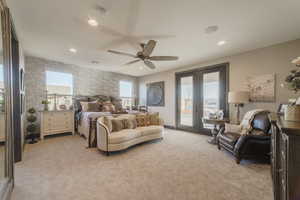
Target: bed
85,121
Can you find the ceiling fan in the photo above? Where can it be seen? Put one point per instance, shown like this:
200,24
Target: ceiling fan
144,55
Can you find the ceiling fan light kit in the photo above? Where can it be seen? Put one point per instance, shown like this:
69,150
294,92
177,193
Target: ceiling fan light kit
144,55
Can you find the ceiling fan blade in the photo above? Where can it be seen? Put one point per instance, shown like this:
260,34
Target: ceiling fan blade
163,58
149,64
132,62
122,53
148,49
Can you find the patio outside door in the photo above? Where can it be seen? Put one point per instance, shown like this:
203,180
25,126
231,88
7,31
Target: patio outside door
198,93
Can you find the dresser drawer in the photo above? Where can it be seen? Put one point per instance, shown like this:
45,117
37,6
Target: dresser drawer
55,122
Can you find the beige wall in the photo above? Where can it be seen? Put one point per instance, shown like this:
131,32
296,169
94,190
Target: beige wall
275,59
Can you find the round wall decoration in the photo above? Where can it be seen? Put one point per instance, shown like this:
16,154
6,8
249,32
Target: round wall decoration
155,94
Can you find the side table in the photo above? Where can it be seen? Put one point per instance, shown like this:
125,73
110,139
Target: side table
217,123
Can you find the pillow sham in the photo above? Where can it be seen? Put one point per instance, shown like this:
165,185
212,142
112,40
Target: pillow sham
90,106
108,107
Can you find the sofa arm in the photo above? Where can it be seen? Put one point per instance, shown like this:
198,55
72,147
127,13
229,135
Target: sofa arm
102,135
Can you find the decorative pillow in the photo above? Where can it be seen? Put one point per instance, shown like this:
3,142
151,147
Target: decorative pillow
117,125
90,106
108,123
118,105
233,128
78,100
130,123
153,118
106,102
141,120
108,107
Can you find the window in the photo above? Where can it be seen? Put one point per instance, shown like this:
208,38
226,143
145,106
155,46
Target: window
59,90
1,77
126,94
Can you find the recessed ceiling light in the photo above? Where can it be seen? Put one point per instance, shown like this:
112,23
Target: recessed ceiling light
211,29
95,62
222,42
92,22
73,50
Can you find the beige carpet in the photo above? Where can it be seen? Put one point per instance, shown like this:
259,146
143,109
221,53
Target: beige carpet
182,166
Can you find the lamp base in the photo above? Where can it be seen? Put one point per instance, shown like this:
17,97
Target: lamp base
238,112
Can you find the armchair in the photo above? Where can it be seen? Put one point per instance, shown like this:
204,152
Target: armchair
248,146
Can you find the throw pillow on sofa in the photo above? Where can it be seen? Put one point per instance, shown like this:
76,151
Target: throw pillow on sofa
117,125
141,120
153,118
130,123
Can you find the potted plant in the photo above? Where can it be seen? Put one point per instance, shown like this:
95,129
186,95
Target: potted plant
31,126
45,103
292,112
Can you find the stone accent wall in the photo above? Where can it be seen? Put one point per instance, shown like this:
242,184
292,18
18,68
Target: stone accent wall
86,81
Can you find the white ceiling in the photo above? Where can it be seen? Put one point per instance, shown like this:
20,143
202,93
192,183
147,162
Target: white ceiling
48,28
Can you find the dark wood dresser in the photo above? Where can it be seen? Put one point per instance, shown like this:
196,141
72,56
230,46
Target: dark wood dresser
285,159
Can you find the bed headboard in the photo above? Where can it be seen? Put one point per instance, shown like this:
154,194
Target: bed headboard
79,98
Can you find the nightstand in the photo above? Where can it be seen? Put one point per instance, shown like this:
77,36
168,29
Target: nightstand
55,122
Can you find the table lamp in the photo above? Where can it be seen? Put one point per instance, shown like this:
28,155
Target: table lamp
238,99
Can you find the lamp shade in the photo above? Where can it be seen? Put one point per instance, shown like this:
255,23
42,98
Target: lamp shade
238,97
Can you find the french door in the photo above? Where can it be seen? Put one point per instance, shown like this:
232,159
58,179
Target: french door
198,93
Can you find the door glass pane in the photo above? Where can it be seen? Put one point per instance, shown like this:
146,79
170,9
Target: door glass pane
186,107
2,112
211,102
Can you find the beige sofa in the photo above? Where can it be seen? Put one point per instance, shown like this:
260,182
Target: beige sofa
116,141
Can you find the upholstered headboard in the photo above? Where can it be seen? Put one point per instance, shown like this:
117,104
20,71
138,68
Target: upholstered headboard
80,98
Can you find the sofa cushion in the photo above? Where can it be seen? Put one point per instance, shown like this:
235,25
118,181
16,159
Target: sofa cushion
148,130
123,136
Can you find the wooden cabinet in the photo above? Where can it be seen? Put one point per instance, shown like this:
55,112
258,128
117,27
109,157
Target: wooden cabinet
286,159
55,122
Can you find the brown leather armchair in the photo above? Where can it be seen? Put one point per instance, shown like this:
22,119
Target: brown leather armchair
248,146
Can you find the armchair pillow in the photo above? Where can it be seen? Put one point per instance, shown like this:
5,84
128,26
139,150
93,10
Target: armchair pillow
232,128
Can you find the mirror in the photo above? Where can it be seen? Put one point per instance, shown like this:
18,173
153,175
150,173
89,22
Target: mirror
2,112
